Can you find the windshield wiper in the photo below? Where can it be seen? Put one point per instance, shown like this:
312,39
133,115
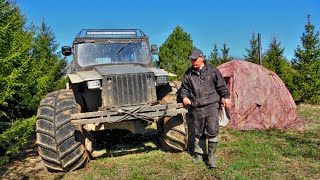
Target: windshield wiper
123,47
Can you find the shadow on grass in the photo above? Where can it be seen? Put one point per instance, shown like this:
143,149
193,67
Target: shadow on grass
117,143
28,165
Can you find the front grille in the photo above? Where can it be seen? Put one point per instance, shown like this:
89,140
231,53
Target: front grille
128,89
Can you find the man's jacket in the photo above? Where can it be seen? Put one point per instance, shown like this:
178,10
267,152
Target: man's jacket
203,87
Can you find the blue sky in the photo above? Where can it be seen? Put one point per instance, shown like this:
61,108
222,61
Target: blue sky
207,21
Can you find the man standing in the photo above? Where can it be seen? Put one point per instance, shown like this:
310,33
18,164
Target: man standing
202,88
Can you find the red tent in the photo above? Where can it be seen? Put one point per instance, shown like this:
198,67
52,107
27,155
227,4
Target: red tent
259,98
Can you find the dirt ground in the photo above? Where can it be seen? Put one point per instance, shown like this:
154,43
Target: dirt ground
28,165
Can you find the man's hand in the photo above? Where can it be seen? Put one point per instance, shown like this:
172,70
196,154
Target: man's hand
186,102
226,103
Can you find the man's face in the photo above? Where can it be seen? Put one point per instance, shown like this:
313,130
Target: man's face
197,63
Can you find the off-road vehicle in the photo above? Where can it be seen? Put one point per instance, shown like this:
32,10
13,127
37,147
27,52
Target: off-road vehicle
113,84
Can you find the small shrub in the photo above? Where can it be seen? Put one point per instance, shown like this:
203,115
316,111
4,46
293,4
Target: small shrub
15,137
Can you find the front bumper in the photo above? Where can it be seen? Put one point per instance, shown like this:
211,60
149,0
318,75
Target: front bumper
149,113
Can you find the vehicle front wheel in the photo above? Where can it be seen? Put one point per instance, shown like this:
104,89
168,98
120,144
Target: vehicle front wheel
60,146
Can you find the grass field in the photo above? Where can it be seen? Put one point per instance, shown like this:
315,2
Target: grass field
271,154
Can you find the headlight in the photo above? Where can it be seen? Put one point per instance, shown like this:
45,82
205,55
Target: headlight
161,80
94,84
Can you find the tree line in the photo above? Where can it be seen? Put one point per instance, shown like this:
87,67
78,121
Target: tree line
30,68
301,75
30,65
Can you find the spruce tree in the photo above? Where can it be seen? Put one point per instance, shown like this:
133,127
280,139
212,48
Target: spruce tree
274,56
47,66
15,45
225,54
174,52
274,60
214,56
307,65
253,52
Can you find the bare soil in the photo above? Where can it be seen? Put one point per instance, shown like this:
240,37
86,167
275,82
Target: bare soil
27,165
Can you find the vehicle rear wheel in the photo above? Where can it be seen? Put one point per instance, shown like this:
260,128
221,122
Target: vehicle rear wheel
60,146
172,131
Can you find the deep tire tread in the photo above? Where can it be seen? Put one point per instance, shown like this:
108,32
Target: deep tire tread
173,136
65,138
45,118
74,161
44,146
62,124
43,105
80,164
66,108
52,161
41,131
57,102
179,131
174,139
174,147
73,148
53,169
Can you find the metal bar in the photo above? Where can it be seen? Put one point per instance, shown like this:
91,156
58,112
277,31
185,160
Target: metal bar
260,48
113,119
118,33
112,33
115,112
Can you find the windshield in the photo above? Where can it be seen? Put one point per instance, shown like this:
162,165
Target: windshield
112,53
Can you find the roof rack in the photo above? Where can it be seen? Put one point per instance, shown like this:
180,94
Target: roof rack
111,33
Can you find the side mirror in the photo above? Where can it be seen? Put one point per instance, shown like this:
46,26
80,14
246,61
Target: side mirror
66,50
154,49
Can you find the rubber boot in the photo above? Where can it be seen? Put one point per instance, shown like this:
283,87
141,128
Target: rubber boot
198,158
212,160
198,150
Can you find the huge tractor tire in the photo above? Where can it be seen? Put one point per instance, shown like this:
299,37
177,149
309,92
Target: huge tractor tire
60,146
172,131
